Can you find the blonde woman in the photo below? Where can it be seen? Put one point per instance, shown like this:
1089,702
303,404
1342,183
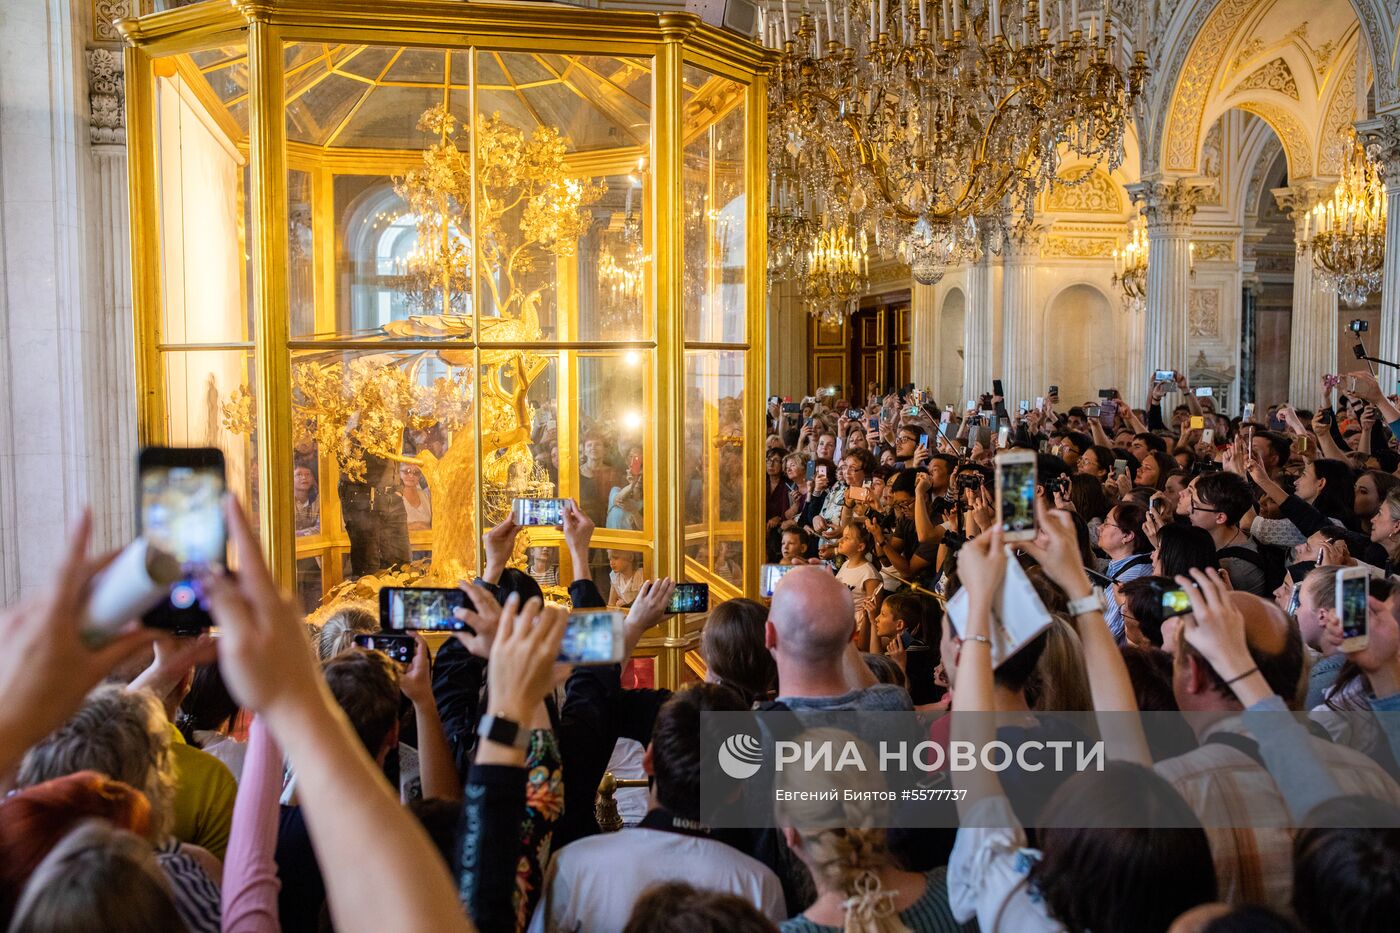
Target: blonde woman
842,843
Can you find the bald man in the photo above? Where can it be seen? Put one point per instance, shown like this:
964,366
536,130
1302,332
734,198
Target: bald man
809,632
1223,780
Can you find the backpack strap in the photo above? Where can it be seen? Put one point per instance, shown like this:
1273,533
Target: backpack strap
1245,554
1240,743
1137,560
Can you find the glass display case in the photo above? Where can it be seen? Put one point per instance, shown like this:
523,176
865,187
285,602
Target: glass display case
405,261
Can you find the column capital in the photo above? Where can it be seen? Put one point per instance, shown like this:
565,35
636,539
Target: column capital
1298,200
1169,204
1023,243
1381,137
106,97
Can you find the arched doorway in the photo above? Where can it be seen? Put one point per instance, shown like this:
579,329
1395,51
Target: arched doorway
951,319
1082,347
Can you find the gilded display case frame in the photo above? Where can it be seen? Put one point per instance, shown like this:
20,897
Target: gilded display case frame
673,41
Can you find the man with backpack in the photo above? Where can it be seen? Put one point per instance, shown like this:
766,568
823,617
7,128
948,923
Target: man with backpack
1218,503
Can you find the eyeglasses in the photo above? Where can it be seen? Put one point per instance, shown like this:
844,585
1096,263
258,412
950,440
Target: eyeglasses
1197,507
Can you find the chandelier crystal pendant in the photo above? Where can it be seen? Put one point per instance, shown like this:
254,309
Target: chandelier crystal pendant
1348,231
837,272
924,121
1130,268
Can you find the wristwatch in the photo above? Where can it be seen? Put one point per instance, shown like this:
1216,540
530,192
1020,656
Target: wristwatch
1094,602
502,731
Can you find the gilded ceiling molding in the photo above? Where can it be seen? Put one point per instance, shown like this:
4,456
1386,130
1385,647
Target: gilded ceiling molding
1274,76
1341,109
106,97
1195,79
1214,250
1295,139
1079,247
1096,194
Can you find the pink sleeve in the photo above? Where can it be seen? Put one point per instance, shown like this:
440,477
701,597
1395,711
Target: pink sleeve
250,871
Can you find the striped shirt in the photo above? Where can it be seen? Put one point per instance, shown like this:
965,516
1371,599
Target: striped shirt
196,896
929,914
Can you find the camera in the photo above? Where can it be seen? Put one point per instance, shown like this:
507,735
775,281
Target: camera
1358,326
970,479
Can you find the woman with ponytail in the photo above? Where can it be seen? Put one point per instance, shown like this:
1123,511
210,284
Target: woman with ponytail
843,844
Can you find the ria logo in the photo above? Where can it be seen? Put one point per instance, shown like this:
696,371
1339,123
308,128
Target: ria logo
740,756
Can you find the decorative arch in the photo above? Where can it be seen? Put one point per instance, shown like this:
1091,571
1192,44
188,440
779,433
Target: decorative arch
1295,139
1199,37
1097,194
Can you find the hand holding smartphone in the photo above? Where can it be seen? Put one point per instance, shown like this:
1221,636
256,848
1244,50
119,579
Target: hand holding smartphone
535,512
181,513
1015,494
1353,589
422,609
689,597
399,648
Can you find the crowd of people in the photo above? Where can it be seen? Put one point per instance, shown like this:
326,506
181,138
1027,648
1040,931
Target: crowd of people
275,777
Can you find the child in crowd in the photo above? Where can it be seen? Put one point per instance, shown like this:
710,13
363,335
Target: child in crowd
625,575
858,573
794,546
544,565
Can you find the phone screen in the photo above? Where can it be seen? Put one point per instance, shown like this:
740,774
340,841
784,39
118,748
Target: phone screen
1351,605
399,648
1016,492
592,638
421,609
1197,422
1203,392
1294,599
874,424
1175,603
529,512
768,577
180,512
1120,468
689,597
1164,375
923,440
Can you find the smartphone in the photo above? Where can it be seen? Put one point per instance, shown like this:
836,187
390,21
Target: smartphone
768,577
1092,411
689,597
1203,392
829,391
421,609
1024,406
1003,436
1016,494
923,441
854,414
1039,402
857,494
913,411
1108,414
1197,422
811,470
792,408
1248,414
996,389
971,405
1163,376
1107,393
1208,436
1175,603
920,661
1120,469
1053,390
1353,586
1155,503
873,424
1295,598
531,512
180,511
398,647
593,636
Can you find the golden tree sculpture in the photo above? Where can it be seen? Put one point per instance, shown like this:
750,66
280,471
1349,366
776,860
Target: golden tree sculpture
528,210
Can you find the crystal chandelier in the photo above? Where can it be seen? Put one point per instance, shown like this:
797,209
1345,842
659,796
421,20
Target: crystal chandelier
925,124
1348,239
837,270
1130,267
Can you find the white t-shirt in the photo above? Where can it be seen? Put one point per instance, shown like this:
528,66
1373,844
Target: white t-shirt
593,883
854,577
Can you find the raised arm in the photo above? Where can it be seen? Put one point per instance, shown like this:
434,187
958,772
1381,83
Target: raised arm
250,883
358,828
439,772
1109,683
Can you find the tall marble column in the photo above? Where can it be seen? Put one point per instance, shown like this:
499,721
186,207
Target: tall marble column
112,438
977,330
1312,348
1133,384
1022,340
923,337
1168,207
1382,137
